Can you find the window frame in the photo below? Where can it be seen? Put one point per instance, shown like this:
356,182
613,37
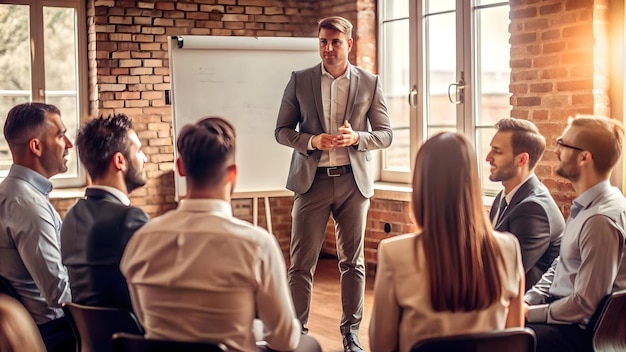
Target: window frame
36,34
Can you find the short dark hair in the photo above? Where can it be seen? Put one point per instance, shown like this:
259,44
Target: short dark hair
602,136
26,121
336,23
525,138
99,139
207,149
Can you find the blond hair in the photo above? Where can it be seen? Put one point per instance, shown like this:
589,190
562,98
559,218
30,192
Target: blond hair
336,23
602,137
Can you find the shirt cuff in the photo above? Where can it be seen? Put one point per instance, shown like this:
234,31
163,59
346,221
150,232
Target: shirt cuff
309,145
537,314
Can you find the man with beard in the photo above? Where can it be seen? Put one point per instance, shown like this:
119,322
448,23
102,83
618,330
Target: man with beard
97,228
591,264
524,207
197,273
30,257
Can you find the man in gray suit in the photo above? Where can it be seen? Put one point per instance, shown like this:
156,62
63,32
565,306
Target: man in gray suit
333,115
525,207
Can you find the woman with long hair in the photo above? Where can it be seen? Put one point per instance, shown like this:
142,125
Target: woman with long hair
454,275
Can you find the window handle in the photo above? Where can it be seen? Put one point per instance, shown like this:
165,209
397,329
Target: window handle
459,90
413,97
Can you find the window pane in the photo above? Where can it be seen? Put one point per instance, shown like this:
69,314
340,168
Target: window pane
441,69
491,2
493,73
60,57
15,84
483,139
393,9
395,81
434,6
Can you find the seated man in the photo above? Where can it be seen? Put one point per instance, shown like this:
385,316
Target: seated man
30,257
199,274
592,263
525,207
96,229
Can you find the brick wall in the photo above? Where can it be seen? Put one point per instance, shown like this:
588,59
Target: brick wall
559,62
558,54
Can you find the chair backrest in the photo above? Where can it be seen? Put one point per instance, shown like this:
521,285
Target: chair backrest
8,289
609,324
123,342
510,340
96,325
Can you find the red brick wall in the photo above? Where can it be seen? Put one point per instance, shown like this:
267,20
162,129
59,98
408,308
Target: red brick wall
559,62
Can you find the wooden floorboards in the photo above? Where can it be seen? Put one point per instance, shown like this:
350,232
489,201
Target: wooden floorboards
326,308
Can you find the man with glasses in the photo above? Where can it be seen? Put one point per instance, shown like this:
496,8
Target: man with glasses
524,207
591,264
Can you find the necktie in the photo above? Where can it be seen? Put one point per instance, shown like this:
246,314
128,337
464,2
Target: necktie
575,209
501,209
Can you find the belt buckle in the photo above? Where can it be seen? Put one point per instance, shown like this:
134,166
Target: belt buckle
330,173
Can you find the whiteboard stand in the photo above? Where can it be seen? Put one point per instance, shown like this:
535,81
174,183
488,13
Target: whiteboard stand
265,195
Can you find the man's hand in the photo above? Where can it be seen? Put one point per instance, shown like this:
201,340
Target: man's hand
347,136
323,141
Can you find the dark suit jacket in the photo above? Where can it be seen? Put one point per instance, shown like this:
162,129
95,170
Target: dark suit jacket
301,116
93,237
534,218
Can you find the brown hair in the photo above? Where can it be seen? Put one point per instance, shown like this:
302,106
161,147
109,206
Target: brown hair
18,331
336,23
461,252
207,148
525,138
601,136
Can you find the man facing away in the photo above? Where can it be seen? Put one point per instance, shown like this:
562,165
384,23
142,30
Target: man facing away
332,115
591,264
96,229
199,274
30,257
525,207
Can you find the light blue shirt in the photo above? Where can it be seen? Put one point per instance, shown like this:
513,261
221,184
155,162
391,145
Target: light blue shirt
591,264
30,255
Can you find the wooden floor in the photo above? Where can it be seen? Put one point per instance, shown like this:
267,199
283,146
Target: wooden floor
326,308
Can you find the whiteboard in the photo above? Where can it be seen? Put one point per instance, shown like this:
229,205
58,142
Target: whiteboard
241,79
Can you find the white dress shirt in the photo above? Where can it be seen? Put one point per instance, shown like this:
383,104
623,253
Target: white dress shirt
199,274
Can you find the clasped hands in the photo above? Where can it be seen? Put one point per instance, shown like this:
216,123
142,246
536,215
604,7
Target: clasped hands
345,138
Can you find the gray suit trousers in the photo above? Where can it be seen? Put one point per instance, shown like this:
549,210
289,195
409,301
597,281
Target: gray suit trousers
340,197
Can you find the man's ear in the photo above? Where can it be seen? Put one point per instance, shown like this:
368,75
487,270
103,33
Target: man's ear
119,161
35,146
350,42
523,159
180,167
232,173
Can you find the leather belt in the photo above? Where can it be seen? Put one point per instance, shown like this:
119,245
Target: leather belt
334,171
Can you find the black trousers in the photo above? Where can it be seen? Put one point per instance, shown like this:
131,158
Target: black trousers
58,335
561,337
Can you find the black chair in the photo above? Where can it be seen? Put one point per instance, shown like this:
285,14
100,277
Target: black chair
608,324
8,289
123,342
94,326
510,340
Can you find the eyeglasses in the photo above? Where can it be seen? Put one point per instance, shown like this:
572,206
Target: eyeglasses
560,142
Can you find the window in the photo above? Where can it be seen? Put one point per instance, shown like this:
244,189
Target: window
444,67
43,58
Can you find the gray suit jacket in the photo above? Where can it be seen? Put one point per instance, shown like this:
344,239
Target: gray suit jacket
534,218
302,108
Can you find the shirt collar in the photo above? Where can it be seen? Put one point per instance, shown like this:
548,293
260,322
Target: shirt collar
41,183
592,193
509,196
345,74
205,205
115,192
